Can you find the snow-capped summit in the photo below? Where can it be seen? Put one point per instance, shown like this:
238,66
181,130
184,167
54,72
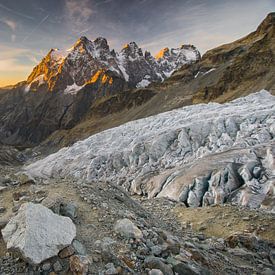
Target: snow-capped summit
132,50
88,62
172,59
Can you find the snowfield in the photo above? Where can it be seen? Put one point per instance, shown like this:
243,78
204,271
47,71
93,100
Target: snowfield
144,148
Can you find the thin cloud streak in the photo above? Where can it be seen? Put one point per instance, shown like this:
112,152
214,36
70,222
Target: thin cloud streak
35,28
16,12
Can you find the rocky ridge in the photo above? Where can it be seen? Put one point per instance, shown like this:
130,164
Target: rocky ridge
62,89
225,73
91,61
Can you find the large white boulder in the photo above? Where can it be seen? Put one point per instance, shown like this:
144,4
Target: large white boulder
37,233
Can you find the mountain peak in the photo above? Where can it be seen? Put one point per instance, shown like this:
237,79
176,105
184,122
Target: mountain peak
101,42
268,22
132,49
163,52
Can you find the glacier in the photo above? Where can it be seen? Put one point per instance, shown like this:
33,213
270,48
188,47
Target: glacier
150,155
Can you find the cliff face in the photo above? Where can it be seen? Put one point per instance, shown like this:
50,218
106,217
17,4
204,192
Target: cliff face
224,73
82,104
64,86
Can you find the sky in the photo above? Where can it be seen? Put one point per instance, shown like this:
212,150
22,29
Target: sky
30,28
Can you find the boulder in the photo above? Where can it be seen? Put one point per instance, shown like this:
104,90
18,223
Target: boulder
79,265
157,263
128,229
37,233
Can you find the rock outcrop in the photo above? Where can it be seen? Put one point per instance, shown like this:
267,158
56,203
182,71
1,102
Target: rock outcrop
222,74
62,89
37,233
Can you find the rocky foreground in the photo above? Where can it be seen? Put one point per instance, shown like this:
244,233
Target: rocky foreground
71,227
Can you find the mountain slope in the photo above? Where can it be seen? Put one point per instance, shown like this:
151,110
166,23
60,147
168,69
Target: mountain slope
61,90
225,73
87,61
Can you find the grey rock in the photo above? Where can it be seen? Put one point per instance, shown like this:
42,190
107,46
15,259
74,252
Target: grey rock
155,272
57,267
37,233
182,268
156,250
128,229
79,247
68,210
111,270
46,266
156,263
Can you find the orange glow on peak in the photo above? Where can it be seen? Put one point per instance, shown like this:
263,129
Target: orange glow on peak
161,53
104,78
95,76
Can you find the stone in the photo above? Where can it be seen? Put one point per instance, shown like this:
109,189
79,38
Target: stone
128,229
68,210
37,233
18,195
57,267
182,268
111,270
2,210
156,250
156,263
79,265
105,243
246,240
79,247
46,266
53,202
155,272
173,244
66,252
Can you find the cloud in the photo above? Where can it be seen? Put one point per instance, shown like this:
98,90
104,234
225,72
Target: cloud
10,59
11,65
3,7
78,12
13,38
35,28
10,23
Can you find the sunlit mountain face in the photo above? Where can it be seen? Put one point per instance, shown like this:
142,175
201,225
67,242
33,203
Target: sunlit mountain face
30,28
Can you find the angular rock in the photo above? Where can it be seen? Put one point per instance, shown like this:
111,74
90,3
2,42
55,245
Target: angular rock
128,229
79,265
157,263
37,233
182,268
66,252
79,247
155,272
68,210
57,267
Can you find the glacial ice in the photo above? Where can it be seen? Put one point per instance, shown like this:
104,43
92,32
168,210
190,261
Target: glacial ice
133,153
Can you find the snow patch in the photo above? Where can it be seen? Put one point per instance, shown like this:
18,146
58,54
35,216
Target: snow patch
143,83
73,89
209,71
